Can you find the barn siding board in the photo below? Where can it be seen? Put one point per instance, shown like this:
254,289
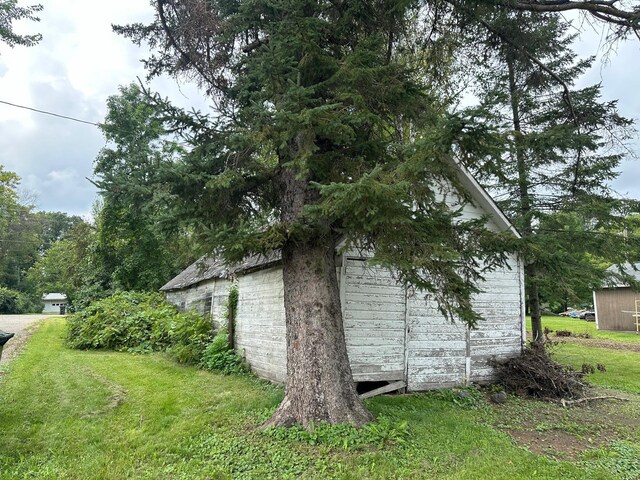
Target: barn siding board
611,305
368,299
260,322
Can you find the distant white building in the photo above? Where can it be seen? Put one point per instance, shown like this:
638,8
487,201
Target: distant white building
54,303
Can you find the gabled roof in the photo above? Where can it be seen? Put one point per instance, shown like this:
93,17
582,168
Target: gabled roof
207,267
482,199
54,296
616,279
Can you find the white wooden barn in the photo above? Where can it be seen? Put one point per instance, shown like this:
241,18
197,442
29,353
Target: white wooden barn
392,335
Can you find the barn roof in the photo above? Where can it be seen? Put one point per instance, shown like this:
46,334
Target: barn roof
207,268
617,274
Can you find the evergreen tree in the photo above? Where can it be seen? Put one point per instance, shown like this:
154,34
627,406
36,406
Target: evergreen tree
308,146
563,147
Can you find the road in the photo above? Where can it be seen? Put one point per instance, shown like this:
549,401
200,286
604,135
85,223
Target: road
22,326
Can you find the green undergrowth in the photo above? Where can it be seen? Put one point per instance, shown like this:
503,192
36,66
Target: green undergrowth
74,414
138,322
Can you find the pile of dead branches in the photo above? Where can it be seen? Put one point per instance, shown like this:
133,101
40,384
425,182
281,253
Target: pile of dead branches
536,374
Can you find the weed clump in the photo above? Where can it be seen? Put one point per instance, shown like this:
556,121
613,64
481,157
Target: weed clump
536,374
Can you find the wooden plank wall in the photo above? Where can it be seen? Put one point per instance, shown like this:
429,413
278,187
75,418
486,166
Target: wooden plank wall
373,307
500,334
436,348
260,323
610,304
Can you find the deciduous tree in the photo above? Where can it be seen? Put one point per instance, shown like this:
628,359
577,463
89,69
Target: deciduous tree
11,12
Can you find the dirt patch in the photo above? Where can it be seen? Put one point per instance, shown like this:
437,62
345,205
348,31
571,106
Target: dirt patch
566,433
603,343
556,443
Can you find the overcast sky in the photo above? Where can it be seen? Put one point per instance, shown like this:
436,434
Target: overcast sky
80,62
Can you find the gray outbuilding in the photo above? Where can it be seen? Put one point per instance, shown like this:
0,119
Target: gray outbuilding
617,303
54,303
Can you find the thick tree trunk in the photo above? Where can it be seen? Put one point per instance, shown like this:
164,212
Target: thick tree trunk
525,207
320,385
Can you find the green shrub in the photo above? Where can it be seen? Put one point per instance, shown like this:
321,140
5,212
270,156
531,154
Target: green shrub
219,357
140,322
13,301
30,303
188,335
8,300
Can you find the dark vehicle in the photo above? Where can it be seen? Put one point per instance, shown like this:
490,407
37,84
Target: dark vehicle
588,315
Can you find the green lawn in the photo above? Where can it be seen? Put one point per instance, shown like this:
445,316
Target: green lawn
579,326
622,366
68,414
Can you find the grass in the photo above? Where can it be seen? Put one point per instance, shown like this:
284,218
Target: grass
578,326
69,414
622,366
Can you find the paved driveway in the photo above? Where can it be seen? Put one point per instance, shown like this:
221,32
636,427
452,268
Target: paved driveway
22,326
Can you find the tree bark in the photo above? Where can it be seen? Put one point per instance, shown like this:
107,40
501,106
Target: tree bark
533,296
525,207
320,385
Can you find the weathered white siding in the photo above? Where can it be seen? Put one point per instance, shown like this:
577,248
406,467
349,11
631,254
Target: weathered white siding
260,324
208,297
391,335
500,334
373,307
436,348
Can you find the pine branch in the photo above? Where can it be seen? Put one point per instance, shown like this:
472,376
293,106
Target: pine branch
604,10
187,56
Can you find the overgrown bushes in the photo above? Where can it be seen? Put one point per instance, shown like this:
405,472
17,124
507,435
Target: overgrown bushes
145,322
12,301
219,357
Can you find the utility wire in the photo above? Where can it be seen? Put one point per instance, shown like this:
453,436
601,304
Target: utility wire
51,113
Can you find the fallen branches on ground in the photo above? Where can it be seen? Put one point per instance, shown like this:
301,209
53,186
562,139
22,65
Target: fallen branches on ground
536,374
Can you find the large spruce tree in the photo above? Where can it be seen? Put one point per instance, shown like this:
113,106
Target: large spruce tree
563,147
324,130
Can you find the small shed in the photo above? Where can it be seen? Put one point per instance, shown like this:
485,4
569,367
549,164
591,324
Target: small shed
54,303
615,302
392,334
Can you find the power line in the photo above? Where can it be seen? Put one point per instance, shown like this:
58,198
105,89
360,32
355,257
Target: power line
50,113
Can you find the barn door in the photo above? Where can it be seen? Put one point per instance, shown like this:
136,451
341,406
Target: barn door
374,311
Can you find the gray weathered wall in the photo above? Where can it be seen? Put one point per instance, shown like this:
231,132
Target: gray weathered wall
195,298
260,326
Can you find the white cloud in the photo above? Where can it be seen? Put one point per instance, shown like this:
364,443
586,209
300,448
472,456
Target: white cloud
80,62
